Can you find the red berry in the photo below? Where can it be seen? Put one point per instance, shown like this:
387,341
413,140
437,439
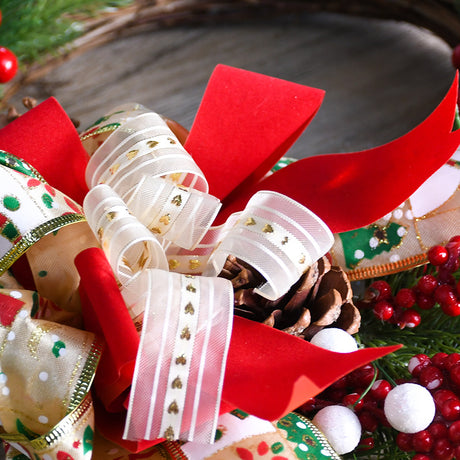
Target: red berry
439,359
457,288
452,264
437,255
431,377
443,450
443,395
368,421
424,301
453,247
366,443
383,310
370,402
341,383
395,319
8,64
450,410
438,430
417,363
380,390
404,441
410,318
336,394
380,290
379,414
452,360
427,284
362,376
350,401
454,432
454,374
444,294
451,308
457,451
422,441
445,276
421,457
405,298
309,405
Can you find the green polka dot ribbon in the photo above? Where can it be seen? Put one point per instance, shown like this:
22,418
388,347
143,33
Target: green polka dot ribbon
29,208
311,444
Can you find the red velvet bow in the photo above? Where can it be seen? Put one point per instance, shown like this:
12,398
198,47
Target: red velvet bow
245,123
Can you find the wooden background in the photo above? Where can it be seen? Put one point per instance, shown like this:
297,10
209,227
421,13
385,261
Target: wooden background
381,77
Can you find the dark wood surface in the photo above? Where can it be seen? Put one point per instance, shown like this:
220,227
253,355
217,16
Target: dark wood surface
381,77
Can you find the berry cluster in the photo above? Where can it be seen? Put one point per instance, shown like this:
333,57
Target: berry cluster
440,374
353,391
439,288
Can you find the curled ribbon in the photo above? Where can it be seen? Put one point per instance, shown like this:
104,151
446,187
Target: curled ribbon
30,209
277,236
149,201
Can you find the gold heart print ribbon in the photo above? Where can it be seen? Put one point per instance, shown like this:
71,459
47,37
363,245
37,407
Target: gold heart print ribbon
149,205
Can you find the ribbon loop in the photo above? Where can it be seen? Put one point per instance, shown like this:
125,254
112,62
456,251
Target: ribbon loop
29,210
177,395
149,203
279,237
142,145
177,213
130,247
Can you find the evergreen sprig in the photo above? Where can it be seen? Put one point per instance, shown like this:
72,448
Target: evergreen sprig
437,332
34,28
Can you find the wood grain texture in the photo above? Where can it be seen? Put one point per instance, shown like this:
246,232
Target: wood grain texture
381,77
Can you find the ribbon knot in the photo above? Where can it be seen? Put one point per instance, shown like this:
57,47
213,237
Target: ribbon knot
148,202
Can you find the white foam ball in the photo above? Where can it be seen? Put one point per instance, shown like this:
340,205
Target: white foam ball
409,408
334,339
341,427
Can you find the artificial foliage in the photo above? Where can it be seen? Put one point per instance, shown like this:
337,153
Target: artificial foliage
436,333
34,28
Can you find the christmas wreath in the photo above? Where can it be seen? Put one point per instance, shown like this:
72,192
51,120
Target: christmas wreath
260,316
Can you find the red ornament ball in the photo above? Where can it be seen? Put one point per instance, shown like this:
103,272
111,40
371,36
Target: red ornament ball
8,64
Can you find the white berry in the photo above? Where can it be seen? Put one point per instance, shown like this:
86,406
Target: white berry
334,339
341,427
409,408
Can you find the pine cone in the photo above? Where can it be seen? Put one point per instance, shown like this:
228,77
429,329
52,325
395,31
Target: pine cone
322,297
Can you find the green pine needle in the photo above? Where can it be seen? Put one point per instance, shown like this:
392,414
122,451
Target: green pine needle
34,28
437,332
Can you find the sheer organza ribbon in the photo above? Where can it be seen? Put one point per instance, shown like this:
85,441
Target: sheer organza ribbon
178,369
276,235
148,203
